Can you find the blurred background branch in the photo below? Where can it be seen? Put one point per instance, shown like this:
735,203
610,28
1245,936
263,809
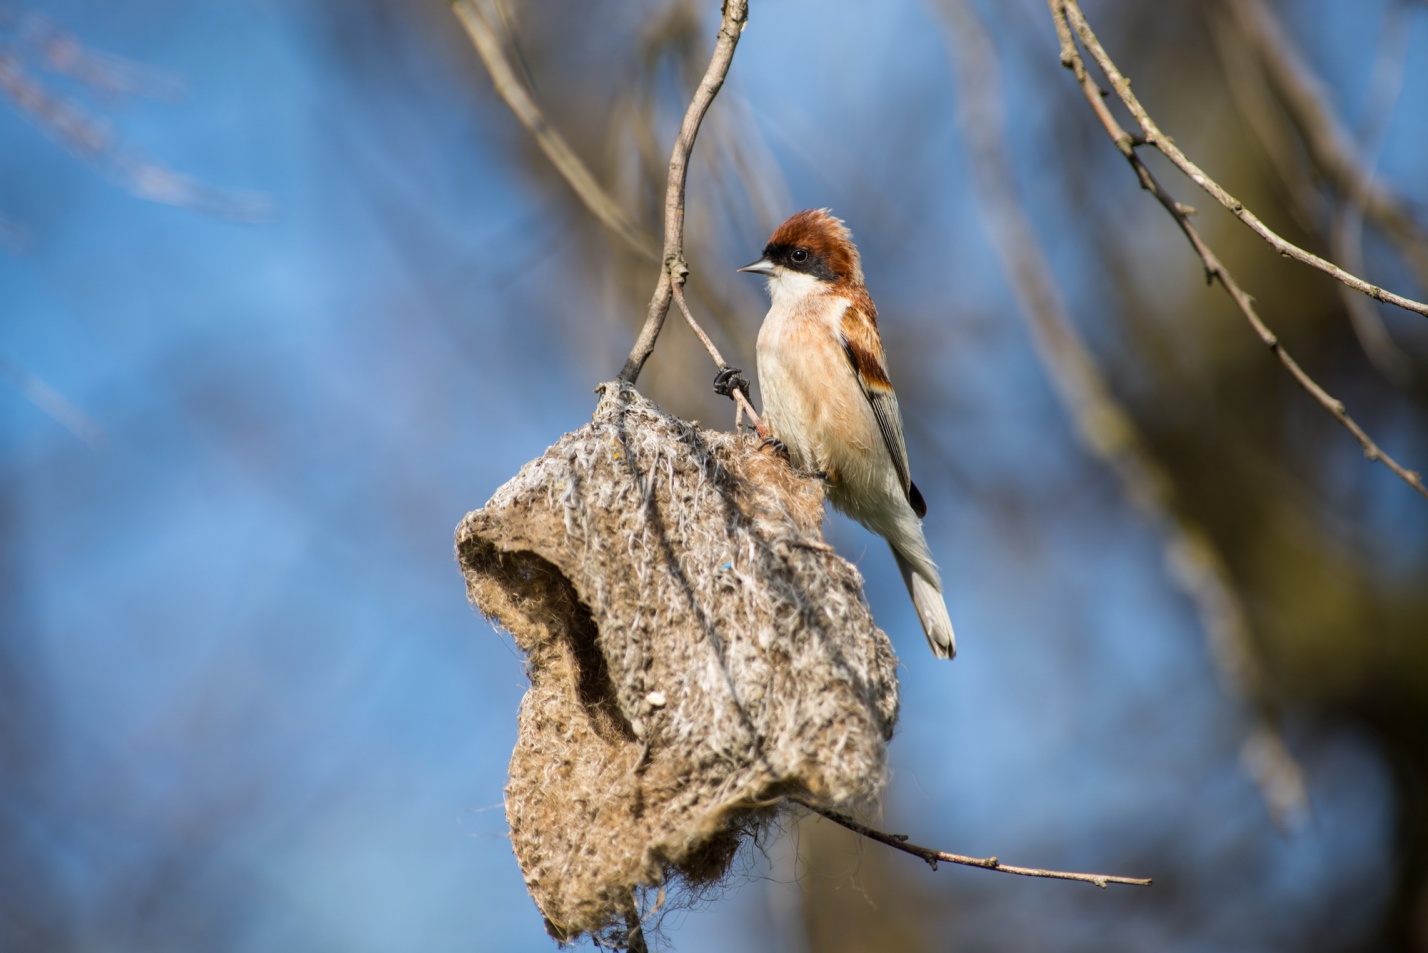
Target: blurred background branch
1293,118
32,44
1346,161
517,96
1068,12
1105,428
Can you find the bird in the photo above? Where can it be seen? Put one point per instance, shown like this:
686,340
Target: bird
830,404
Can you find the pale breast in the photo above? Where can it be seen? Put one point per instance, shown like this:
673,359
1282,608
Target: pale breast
812,399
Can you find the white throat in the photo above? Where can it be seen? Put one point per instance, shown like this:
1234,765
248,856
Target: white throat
792,290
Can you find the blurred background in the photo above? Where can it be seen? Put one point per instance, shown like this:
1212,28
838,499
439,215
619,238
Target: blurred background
287,290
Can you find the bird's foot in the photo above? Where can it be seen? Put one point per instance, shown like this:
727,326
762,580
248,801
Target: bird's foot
729,380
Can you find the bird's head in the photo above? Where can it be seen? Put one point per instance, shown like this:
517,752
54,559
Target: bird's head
811,253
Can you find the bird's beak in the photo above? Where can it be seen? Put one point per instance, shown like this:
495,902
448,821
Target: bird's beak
761,267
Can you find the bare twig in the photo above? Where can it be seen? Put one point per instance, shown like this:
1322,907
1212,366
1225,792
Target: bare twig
934,857
1069,18
1067,14
1105,428
741,400
735,15
510,88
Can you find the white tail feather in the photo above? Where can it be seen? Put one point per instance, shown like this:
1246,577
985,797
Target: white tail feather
931,609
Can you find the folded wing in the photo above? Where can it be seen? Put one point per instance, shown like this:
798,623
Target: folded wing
865,351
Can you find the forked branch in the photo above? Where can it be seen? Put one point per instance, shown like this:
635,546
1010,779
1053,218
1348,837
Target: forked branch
1329,144
1068,18
735,15
674,270
741,399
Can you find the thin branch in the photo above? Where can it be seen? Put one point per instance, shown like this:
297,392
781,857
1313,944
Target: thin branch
1069,12
1063,11
741,399
735,15
934,857
510,88
1106,429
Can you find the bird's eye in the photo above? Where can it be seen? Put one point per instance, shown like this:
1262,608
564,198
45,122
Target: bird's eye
800,255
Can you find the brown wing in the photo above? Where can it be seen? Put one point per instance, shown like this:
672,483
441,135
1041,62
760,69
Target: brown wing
865,350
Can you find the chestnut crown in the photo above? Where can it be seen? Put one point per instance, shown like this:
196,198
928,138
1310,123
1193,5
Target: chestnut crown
816,243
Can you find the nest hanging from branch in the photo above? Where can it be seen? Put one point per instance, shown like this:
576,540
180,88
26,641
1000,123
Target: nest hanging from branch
695,651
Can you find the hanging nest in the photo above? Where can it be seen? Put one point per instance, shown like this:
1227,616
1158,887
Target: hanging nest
696,652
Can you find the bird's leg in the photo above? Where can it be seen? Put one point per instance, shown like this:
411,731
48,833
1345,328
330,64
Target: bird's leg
730,382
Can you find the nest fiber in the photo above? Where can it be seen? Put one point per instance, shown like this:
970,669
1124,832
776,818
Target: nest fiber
695,650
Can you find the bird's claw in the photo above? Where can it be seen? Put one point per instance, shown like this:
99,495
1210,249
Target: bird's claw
729,380
777,445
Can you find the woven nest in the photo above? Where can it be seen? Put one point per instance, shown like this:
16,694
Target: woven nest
696,652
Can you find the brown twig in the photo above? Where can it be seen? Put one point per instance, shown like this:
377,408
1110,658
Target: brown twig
741,400
735,15
1106,429
934,857
1067,16
510,88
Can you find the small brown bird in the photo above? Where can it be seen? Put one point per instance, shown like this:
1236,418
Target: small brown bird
828,398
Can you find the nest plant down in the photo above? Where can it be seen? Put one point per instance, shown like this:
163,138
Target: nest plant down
695,650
